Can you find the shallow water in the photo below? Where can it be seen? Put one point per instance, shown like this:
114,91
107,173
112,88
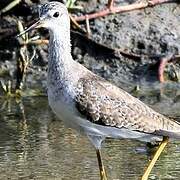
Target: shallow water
34,144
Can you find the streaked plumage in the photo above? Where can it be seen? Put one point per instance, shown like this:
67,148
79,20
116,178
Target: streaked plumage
103,103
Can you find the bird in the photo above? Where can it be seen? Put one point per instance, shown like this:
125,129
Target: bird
90,104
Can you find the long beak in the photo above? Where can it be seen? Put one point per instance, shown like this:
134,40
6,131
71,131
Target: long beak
36,25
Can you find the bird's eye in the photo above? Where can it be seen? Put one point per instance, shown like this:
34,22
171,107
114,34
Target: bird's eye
56,14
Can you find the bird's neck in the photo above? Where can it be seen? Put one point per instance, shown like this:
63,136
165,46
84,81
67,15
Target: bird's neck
60,40
60,59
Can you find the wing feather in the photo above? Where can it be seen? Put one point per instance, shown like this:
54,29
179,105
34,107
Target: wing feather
103,103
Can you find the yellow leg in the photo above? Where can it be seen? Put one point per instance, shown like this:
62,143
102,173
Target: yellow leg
155,157
101,166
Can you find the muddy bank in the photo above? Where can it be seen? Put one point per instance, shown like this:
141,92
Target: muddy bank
149,34
152,31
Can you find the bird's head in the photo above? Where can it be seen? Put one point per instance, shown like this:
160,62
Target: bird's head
53,16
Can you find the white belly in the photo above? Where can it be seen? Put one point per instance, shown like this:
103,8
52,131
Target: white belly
62,106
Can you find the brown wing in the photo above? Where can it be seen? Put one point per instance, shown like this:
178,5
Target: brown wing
103,103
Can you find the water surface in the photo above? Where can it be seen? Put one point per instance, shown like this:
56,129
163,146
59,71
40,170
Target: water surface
34,144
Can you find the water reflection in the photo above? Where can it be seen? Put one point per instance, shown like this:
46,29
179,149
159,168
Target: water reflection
35,145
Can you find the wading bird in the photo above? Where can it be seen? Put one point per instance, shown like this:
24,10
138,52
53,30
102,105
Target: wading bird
89,103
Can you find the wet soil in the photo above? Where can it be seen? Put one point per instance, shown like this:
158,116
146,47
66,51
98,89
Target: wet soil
149,33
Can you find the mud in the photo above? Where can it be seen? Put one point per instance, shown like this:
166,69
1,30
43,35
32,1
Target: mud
150,33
